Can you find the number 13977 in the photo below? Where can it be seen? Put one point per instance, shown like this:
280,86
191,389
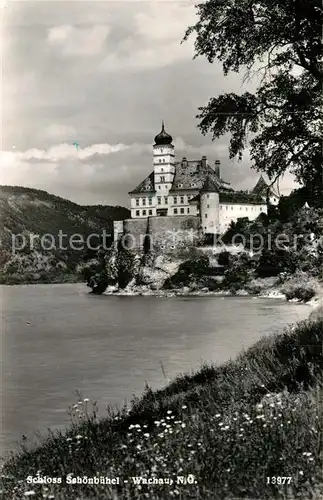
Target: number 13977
279,480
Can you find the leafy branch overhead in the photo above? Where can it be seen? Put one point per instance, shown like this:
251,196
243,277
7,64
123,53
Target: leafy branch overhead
279,42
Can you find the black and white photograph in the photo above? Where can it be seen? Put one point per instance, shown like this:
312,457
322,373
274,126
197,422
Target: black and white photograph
161,250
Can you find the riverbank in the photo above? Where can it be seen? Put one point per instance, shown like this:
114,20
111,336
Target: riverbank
231,427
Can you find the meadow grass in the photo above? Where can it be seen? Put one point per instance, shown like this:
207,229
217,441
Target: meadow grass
228,428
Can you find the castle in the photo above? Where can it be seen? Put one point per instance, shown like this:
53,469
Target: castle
187,194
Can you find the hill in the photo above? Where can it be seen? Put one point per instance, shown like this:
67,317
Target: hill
36,232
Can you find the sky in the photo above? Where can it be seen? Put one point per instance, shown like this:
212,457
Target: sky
103,74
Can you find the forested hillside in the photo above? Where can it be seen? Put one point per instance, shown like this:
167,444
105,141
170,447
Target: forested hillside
27,215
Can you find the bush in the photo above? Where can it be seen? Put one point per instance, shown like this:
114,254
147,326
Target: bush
224,258
188,270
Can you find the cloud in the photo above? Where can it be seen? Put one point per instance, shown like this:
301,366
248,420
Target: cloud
75,41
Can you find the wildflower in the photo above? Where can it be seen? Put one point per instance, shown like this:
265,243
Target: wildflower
79,436
184,407
307,453
183,425
138,447
301,473
69,439
260,406
226,427
221,423
30,493
86,400
146,434
265,425
169,412
218,415
75,406
145,426
311,459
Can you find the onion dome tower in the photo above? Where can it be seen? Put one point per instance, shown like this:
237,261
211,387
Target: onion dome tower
164,163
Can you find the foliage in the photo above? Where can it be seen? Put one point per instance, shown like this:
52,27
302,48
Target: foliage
224,258
231,426
300,286
125,266
239,272
188,270
283,115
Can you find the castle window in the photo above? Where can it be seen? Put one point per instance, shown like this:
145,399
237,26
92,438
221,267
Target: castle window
188,210
159,187
150,212
227,207
208,196
159,200
182,210
159,160
246,209
220,207
165,200
162,170
163,160
150,201
175,200
240,208
137,202
205,216
137,213
207,206
144,201
144,212
175,211
162,179
182,199
231,208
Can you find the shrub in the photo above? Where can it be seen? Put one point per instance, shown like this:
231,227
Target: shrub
224,258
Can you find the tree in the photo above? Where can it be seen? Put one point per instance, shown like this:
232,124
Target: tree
282,120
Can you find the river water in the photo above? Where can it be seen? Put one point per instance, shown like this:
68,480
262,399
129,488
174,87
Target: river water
57,339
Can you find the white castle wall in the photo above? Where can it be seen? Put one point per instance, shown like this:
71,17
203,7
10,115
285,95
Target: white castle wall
232,212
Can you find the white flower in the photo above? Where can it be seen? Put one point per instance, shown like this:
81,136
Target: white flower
184,407
79,436
86,400
218,415
169,412
183,425
301,473
30,493
75,406
146,434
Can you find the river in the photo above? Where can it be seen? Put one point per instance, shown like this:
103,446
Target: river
57,339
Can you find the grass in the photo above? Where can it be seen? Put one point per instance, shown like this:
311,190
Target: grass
230,426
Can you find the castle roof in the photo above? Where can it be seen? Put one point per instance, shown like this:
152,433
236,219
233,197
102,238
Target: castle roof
189,175
147,185
262,187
